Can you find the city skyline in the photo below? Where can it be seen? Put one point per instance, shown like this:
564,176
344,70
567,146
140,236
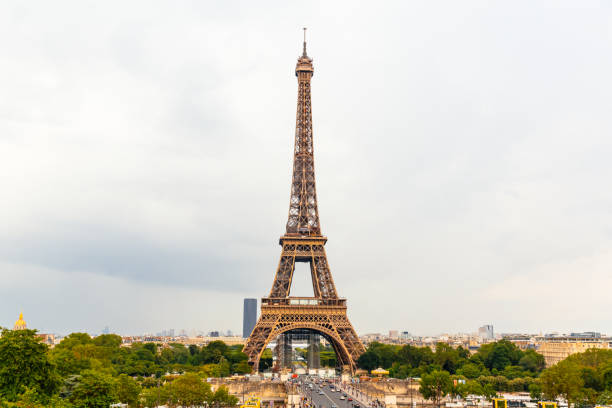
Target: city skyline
145,164
387,333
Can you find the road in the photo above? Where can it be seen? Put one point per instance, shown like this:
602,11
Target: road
328,398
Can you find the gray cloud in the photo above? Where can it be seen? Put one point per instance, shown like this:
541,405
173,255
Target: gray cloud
462,158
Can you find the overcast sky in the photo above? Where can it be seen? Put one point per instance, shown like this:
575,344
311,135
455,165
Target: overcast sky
463,154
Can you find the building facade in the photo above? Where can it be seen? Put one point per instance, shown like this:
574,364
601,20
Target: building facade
555,349
249,317
486,332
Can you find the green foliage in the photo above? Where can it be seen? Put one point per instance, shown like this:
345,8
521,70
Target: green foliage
128,390
368,360
32,399
188,390
532,361
94,389
535,391
436,386
500,354
583,378
470,387
562,380
84,372
470,370
25,364
328,356
78,352
501,358
265,361
223,398
449,358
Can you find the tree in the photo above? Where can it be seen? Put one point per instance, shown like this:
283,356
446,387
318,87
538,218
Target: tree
31,399
511,372
436,385
111,341
535,391
470,387
265,361
242,368
532,361
223,398
562,379
415,356
469,370
193,349
67,363
189,390
517,385
447,357
24,363
386,353
128,390
368,360
154,396
73,340
500,354
94,390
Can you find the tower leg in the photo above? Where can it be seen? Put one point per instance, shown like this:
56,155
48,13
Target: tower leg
314,357
284,352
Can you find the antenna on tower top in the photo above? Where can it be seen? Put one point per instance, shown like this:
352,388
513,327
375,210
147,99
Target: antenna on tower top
304,54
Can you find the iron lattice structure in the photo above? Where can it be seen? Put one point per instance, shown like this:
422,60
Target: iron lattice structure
325,313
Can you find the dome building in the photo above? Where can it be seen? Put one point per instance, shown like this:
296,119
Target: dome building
20,324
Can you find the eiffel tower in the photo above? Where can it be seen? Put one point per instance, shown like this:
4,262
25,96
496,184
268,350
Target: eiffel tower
325,312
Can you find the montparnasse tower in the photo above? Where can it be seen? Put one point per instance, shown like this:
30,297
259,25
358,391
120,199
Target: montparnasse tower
20,324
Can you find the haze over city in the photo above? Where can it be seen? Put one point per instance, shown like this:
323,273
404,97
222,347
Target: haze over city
462,159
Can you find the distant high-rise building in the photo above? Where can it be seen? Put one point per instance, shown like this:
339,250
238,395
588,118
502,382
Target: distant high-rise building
249,317
393,334
486,332
106,330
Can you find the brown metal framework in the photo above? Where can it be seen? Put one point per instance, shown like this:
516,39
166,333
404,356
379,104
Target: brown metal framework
324,313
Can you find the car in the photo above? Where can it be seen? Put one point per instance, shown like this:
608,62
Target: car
321,392
349,399
343,397
334,406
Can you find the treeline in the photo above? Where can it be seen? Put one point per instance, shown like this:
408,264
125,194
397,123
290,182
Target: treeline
327,355
582,379
79,351
86,372
499,359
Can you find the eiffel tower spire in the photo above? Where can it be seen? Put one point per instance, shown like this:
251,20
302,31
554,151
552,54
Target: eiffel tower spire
303,211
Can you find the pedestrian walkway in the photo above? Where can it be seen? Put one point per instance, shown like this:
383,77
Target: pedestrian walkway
363,399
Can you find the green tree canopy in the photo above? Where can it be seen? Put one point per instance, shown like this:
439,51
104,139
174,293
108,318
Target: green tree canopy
436,385
128,390
94,389
25,364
